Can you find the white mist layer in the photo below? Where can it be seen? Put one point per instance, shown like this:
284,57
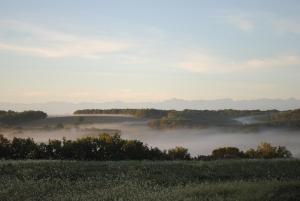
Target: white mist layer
198,141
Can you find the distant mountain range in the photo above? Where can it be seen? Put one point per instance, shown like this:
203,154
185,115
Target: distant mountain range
178,104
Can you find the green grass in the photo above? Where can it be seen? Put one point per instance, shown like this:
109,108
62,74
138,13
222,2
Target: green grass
232,180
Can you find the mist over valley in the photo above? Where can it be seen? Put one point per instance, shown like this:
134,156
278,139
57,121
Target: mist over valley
199,141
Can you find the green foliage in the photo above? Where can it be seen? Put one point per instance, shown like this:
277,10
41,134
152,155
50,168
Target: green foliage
226,180
12,118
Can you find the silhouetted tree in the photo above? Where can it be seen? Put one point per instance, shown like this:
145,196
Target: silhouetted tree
22,148
4,147
113,147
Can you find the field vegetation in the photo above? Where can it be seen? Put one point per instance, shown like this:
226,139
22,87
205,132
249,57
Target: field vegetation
220,180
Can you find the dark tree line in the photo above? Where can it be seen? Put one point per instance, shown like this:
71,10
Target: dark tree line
113,147
191,114
185,118
289,119
264,150
145,113
104,147
206,118
286,115
203,118
11,118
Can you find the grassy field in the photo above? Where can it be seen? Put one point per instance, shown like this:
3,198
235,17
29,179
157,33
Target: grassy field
234,180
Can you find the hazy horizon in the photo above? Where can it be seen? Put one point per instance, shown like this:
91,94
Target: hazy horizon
63,107
155,101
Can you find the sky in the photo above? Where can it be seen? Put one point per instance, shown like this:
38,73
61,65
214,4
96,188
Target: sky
135,50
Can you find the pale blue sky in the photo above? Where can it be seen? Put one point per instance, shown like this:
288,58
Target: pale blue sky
89,51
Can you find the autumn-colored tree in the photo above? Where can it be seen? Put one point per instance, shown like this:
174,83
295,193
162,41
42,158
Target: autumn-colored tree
179,153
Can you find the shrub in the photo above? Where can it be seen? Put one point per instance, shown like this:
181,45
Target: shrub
227,152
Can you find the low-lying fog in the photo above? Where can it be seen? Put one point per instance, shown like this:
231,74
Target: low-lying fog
198,141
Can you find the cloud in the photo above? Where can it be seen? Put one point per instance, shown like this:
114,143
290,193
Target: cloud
289,26
241,22
208,63
54,44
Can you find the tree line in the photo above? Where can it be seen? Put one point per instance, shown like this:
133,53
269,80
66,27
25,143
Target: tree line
11,117
113,147
289,119
156,113
184,118
264,150
143,113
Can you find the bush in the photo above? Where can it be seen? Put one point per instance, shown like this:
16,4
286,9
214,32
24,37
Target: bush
227,152
266,150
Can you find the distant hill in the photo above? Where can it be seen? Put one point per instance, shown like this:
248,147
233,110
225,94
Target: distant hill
177,104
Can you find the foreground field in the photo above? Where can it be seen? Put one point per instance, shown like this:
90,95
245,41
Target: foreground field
232,180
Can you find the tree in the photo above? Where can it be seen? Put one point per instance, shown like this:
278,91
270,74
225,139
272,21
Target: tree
4,147
134,150
178,153
227,152
21,148
54,149
251,153
266,150
11,118
282,152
